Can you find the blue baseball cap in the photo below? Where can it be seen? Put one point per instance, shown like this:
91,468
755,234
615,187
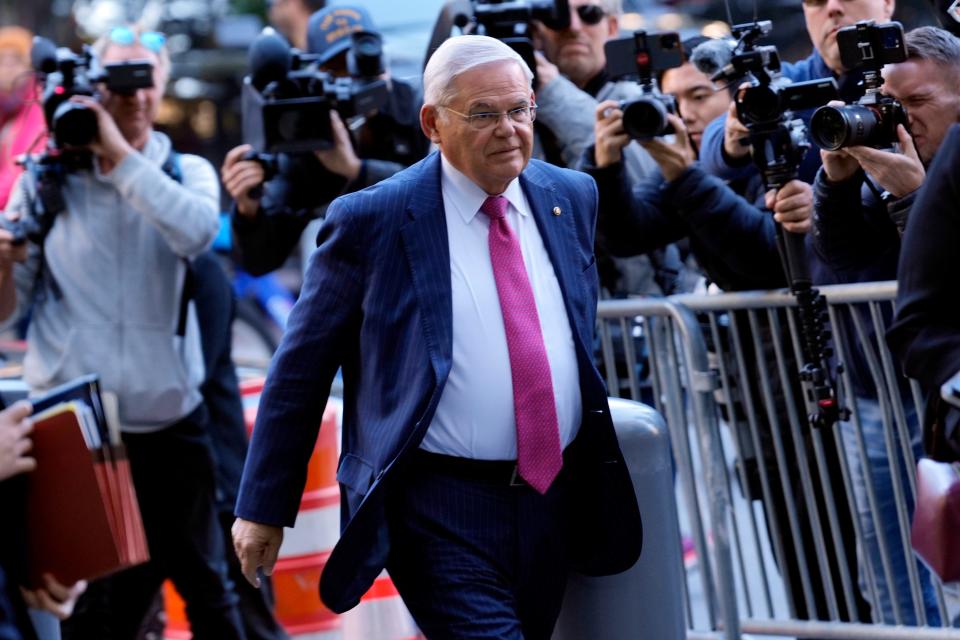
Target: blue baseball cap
330,29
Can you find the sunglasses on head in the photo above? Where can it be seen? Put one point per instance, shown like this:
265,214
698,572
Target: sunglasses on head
590,14
152,41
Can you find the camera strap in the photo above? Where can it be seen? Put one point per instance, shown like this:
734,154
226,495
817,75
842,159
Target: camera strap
171,167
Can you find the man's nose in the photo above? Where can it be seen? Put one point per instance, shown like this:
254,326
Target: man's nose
505,125
835,7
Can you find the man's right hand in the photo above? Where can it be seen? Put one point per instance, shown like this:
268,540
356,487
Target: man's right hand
838,166
609,134
239,177
15,444
733,132
257,545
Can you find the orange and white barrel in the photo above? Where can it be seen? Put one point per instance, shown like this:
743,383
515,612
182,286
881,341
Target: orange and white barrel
380,615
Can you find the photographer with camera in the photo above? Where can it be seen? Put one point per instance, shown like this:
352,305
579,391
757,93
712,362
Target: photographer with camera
862,200
723,154
734,239
571,81
731,236
270,220
572,78
107,284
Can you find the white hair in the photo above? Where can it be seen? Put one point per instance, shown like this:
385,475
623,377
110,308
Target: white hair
458,55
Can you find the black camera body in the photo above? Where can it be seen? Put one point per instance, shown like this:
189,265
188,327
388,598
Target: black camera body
65,74
510,22
766,107
641,57
287,100
873,120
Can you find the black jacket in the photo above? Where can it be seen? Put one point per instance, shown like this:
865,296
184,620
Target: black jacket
733,240
926,332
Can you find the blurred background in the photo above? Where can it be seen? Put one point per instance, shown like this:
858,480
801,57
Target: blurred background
208,40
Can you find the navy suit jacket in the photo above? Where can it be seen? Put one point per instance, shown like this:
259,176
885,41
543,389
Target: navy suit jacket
376,302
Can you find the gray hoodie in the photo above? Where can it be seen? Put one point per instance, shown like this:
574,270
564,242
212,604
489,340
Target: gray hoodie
116,256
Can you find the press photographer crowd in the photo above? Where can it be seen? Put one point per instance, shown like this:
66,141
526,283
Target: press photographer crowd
456,232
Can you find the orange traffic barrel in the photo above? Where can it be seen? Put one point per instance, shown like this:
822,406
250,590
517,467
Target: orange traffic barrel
380,615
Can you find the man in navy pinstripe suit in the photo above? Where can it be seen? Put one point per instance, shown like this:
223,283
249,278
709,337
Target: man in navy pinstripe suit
479,462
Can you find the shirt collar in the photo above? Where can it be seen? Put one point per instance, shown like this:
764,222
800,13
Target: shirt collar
469,197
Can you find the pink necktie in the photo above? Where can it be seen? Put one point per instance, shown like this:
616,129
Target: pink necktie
539,457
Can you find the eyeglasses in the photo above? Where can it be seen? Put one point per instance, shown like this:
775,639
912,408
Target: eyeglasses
152,41
590,14
489,119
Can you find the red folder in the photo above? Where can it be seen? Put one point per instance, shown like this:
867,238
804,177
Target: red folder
82,511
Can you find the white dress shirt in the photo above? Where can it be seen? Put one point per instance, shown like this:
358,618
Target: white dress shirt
475,417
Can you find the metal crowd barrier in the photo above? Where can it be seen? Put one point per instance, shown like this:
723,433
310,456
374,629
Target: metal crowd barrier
797,531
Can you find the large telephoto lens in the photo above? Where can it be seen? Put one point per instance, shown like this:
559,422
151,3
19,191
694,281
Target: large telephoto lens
834,128
645,118
74,125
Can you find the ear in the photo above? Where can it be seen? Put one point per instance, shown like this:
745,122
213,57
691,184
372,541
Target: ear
428,123
613,26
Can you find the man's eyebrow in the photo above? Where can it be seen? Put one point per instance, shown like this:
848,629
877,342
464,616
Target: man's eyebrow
486,106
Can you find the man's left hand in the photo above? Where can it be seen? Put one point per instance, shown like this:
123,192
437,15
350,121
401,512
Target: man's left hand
672,157
54,597
792,206
898,173
109,145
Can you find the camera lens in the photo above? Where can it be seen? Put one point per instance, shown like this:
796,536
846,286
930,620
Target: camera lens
758,104
834,128
74,125
645,118
367,55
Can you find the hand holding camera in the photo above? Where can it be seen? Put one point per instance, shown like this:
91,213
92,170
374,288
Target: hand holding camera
609,135
241,176
547,72
341,158
898,173
792,206
108,143
675,157
734,133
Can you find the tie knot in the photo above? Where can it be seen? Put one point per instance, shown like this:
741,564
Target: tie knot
495,207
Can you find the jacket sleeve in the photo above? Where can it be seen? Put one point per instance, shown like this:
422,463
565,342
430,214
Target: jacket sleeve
313,348
852,231
187,214
631,221
742,235
291,200
926,332
569,113
712,157
25,274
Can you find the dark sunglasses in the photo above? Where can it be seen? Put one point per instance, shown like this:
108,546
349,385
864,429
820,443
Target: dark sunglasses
590,14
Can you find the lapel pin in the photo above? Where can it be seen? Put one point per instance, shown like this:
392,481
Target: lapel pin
557,211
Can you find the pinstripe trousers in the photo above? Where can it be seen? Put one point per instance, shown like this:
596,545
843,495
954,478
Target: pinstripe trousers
478,560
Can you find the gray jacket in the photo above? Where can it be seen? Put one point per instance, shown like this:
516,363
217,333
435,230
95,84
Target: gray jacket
116,257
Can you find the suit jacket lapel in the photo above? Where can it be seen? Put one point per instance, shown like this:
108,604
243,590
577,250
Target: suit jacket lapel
558,232
427,249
